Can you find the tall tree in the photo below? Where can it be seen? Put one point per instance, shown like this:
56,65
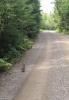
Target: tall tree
18,19
62,9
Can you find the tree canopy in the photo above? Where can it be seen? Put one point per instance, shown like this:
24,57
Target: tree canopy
47,21
19,19
62,14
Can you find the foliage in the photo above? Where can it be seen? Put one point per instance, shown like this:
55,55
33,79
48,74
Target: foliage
47,22
4,66
27,44
18,19
62,13
16,53
12,55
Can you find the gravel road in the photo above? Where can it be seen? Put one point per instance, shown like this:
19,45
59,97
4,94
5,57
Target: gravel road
47,71
49,77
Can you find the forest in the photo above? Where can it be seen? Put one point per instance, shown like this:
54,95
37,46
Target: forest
59,20
20,23
62,15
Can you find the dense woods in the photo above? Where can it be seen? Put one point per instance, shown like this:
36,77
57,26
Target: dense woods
59,19
62,14
19,24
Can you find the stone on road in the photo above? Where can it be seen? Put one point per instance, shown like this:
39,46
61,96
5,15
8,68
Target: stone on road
49,78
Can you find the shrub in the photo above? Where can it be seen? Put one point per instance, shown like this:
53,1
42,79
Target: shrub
27,44
4,66
12,55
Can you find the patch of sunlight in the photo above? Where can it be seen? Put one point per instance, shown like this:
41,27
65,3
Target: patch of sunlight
66,58
65,42
44,67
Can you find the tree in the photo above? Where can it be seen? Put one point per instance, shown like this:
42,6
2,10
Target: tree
19,19
62,9
47,22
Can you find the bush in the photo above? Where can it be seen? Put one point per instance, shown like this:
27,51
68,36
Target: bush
27,44
12,55
4,66
16,53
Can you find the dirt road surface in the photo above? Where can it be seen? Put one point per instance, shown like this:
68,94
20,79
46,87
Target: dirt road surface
49,78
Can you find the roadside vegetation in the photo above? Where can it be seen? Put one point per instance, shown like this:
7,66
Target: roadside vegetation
62,15
59,19
19,25
47,21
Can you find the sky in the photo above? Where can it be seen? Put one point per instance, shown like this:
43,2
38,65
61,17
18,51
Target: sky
47,5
